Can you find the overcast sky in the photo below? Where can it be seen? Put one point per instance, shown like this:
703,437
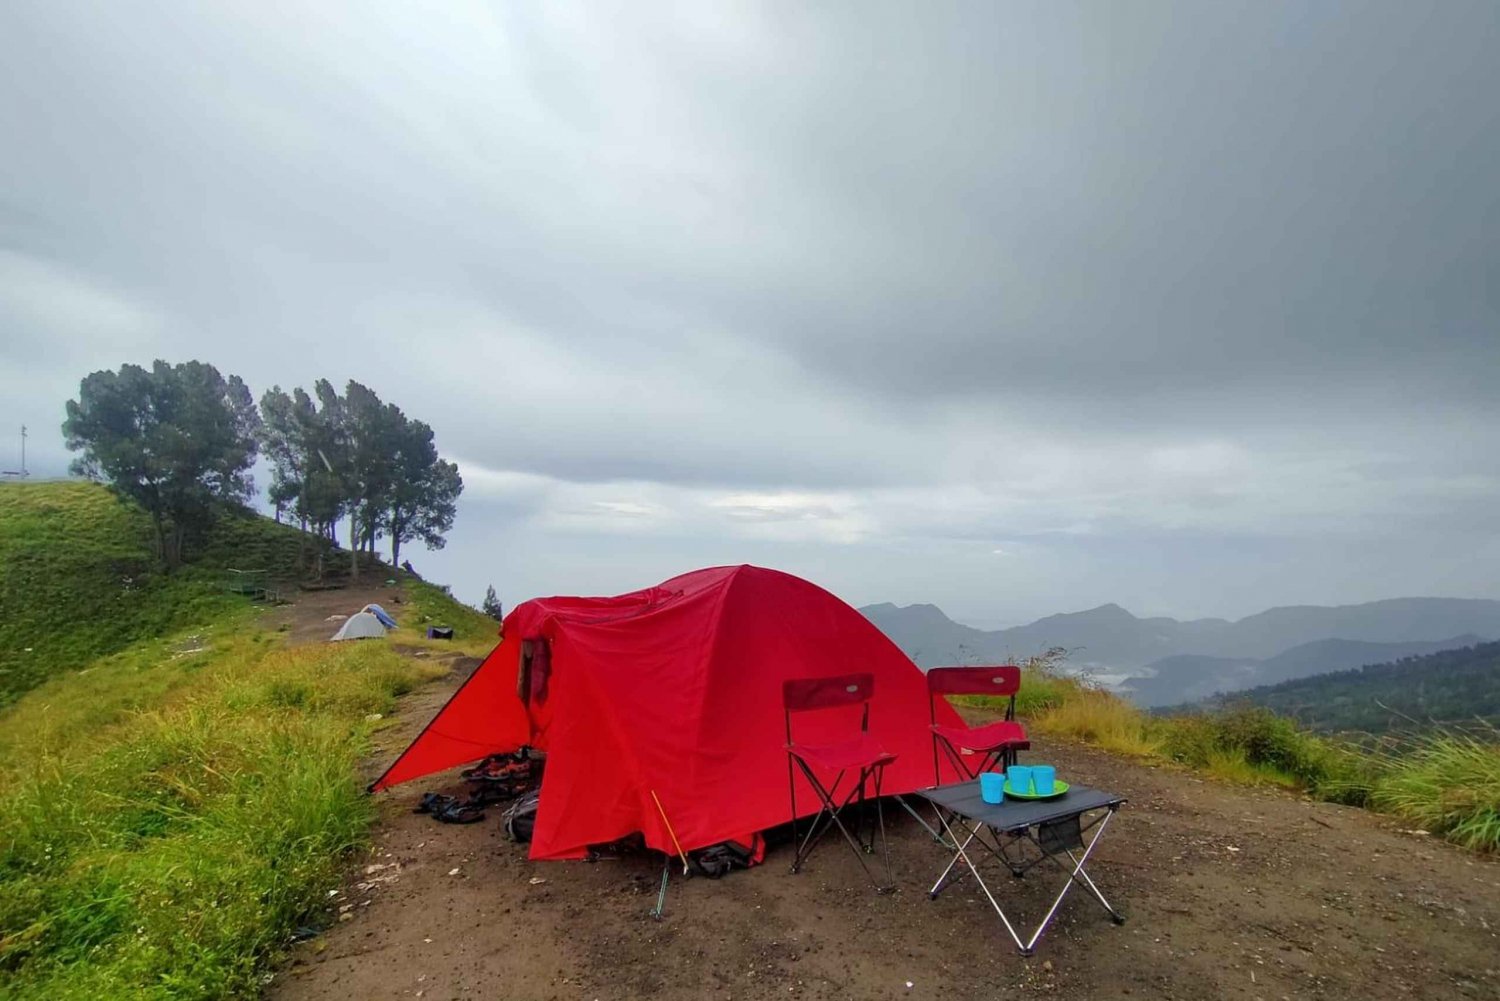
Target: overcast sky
1012,308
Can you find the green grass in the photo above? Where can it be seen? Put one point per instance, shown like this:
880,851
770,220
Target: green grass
171,852
78,579
427,604
1445,781
178,790
1448,783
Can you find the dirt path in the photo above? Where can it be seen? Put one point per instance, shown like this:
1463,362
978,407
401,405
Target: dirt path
1230,893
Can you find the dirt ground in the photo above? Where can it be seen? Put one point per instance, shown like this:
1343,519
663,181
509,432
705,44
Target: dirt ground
306,620
1229,893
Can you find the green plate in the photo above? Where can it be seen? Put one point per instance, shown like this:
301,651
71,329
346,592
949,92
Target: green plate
1058,788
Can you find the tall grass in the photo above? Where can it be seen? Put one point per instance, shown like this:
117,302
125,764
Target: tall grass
1448,783
168,851
1099,718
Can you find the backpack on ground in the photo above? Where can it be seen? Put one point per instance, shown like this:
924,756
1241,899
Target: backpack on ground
520,817
717,860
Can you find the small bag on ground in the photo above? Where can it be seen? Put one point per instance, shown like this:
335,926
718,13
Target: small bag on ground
520,817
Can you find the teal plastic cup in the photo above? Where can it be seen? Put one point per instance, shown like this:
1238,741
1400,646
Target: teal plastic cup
1044,779
992,787
1019,777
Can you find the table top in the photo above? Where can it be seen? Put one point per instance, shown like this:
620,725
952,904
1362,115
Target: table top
1017,814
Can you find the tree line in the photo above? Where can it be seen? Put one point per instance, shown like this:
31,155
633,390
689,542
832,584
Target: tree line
181,441
1450,686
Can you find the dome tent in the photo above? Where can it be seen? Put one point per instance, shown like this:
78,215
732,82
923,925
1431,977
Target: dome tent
359,626
673,693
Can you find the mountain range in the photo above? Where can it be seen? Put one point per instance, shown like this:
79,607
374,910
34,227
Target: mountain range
1274,645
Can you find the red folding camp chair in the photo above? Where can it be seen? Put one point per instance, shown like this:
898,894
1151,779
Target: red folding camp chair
995,742
862,753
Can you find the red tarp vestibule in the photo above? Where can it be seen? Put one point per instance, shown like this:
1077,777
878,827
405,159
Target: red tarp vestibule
675,690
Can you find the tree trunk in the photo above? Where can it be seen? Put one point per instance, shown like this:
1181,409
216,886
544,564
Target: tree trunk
353,545
174,548
161,538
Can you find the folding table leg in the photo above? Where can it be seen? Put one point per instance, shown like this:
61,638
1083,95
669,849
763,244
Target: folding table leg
1118,919
974,870
938,887
1077,874
1078,864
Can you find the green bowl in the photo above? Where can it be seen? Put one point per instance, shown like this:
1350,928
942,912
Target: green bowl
1058,788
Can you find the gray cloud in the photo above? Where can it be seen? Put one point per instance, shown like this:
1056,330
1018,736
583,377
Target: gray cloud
1190,308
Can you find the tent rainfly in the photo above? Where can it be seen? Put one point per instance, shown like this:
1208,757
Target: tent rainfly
359,626
381,614
674,694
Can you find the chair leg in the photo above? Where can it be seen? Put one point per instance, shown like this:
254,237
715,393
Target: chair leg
819,826
885,845
931,830
791,784
833,808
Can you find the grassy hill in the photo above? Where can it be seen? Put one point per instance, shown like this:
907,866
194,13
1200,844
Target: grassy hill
1450,686
78,579
178,786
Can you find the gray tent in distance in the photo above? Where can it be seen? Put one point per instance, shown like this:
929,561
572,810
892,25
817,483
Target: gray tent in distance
360,626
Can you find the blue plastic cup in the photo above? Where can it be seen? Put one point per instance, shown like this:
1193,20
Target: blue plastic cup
992,787
1020,779
1044,779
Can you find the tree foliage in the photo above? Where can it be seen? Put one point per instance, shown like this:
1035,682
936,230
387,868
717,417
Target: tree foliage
179,440
358,457
1445,687
492,606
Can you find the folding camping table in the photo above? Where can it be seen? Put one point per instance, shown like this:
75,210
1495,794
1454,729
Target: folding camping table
1052,827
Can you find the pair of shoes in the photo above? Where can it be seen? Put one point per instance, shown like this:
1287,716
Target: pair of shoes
449,809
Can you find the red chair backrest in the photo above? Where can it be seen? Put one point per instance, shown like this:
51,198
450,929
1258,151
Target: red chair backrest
800,694
1003,680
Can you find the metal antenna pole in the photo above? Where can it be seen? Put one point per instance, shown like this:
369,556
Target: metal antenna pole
23,450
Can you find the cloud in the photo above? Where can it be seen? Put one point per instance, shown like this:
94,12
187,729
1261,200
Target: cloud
1187,308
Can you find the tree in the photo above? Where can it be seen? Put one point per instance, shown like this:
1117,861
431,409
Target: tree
423,500
179,440
355,455
492,606
298,435
373,432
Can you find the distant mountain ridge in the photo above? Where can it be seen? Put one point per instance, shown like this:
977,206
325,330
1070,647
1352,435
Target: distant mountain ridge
1456,686
1190,677
1109,638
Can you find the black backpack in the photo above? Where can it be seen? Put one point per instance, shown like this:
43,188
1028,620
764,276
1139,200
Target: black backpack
716,860
520,817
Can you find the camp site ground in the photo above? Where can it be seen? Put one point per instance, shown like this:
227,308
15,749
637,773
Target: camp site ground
1230,893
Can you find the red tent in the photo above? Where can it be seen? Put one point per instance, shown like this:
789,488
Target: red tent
674,690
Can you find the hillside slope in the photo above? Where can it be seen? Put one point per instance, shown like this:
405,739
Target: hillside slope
1189,677
78,578
180,785
1450,686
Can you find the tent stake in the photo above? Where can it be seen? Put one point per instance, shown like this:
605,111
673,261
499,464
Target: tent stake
661,897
